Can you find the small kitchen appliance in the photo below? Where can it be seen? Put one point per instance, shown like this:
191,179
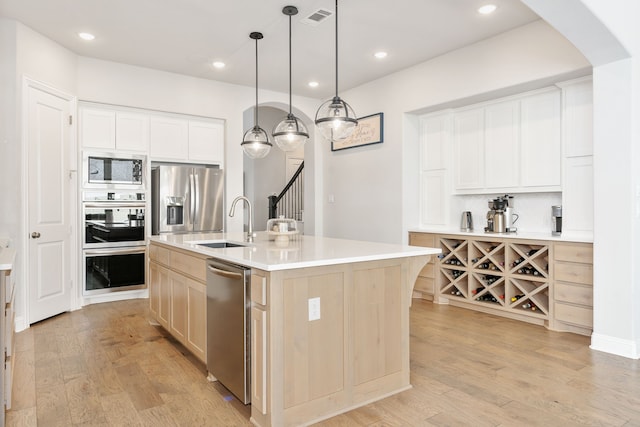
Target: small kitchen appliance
500,217
556,220
466,222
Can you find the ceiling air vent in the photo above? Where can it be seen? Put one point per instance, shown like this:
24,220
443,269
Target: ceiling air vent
317,17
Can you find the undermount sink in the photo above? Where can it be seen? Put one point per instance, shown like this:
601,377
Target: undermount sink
222,245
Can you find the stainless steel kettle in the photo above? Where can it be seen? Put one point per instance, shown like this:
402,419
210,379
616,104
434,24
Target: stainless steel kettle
466,222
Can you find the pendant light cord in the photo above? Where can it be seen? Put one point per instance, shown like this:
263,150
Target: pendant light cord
290,101
255,113
336,48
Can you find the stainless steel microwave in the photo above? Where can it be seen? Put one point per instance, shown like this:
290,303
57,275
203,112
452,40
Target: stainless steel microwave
109,170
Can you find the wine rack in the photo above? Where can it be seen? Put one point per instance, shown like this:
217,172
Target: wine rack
496,275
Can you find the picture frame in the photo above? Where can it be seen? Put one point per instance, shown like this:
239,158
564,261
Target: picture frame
370,130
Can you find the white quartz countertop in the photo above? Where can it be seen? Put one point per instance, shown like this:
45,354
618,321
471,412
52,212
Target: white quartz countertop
299,252
586,238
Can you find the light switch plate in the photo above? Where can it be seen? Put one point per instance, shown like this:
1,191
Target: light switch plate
314,309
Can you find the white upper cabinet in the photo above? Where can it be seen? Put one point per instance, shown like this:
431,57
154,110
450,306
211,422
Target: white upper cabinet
162,136
435,137
132,131
468,149
435,148
509,145
578,118
541,147
502,145
114,130
98,128
187,140
169,138
206,141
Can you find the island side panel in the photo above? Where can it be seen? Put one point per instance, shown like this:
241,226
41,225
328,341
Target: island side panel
356,353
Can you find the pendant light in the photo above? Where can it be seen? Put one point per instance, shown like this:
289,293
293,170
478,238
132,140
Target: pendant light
255,142
335,118
290,133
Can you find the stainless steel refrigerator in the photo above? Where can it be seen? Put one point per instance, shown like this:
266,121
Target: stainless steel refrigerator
186,199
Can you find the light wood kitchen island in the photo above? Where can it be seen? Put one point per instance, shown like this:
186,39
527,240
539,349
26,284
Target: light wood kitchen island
303,370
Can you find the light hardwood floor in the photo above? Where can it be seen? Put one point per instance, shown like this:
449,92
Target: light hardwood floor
105,365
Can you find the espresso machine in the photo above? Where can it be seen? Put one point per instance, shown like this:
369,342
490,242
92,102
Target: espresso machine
500,217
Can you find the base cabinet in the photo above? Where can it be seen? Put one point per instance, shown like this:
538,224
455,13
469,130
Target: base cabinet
548,283
177,296
329,339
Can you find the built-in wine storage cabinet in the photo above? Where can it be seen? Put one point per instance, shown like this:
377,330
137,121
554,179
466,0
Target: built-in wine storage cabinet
512,277
543,282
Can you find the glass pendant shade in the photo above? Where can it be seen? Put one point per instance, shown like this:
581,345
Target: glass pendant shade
336,120
255,143
290,134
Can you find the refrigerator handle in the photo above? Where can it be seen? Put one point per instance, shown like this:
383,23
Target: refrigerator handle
192,205
196,209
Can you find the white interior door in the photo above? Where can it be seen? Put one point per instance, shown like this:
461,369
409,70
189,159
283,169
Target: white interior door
48,139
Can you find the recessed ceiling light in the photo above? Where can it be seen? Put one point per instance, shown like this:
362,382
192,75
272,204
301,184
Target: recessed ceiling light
219,64
313,84
487,9
380,55
86,36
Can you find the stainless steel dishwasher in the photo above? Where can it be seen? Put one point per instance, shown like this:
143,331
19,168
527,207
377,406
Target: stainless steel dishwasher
228,327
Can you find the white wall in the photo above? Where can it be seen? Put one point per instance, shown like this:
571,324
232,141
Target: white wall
375,187
608,34
24,53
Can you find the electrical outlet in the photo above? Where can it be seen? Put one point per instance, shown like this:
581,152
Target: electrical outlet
314,309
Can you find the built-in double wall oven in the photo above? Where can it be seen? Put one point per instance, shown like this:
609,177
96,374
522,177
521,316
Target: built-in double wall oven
114,223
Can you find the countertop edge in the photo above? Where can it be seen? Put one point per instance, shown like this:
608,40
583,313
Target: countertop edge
587,238
7,258
242,255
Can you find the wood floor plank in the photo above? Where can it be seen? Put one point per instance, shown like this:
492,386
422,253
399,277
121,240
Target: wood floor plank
105,365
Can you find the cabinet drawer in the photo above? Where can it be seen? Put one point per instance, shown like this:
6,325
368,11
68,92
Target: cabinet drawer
582,253
424,284
575,273
422,239
576,315
258,289
159,254
190,265
575,294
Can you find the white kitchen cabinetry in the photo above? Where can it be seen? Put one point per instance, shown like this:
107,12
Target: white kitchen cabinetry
132,131
98,128
509,145
541,141
114,130
435,141
577,124
186,140
206,141
469,149
502,145
169,138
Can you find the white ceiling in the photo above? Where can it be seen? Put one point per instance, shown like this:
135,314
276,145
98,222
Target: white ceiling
185,36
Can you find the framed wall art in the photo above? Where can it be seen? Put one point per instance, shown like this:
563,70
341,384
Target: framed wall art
370,130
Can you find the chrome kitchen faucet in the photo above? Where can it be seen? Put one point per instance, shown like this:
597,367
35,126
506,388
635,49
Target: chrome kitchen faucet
250,233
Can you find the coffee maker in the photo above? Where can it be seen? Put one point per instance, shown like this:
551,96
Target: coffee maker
500,217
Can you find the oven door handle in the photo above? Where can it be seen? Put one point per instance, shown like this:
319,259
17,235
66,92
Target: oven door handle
224,273
114,251
114,204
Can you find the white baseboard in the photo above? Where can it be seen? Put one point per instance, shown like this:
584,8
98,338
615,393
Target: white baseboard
613,345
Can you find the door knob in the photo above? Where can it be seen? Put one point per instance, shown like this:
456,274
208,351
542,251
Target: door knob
35,235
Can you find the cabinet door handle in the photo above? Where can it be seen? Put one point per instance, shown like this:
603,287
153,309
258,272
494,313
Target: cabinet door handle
35,235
